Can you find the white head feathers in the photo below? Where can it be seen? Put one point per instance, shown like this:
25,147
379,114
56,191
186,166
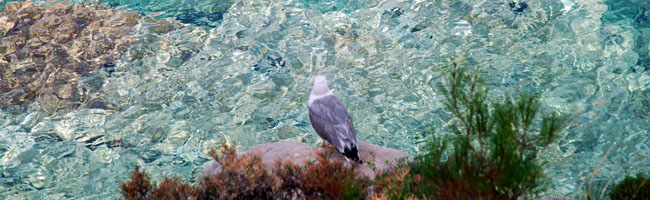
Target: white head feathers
320,89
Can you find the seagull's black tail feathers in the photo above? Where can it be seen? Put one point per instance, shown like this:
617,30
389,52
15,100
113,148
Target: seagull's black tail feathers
352,154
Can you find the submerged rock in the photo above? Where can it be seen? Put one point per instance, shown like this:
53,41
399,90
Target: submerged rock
381,158
45,48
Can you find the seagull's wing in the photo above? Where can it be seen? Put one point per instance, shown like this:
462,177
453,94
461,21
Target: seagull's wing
332,122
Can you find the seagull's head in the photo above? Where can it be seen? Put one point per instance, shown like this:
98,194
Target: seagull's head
320,86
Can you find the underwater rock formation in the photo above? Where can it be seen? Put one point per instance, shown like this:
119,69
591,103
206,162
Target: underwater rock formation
207,14
45,49
381,158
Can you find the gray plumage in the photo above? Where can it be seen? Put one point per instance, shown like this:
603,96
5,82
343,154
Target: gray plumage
331,120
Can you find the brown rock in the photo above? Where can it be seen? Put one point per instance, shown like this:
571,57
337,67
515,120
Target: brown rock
64,92
13,6
212,170
296,151
50,46
381,158
5,25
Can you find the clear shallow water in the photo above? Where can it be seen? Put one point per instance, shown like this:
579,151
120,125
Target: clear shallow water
247,80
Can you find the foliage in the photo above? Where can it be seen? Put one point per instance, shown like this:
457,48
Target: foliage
392,184
332,179
141,187
326,178
632,188
493,153
247,177
173,189
242,177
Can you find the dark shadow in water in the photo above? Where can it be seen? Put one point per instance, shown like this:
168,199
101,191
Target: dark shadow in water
637,14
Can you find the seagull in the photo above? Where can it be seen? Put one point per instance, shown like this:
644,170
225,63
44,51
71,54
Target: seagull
331,120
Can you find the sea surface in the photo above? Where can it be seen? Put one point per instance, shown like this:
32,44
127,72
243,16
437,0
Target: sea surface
240,71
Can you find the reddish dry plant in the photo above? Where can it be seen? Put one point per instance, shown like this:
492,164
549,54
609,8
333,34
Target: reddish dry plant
141,187
388,184
246,177
398,182
174,188
242,177
324,178
330,178
290,176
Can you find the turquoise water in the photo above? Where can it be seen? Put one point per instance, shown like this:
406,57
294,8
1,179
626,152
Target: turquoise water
240,71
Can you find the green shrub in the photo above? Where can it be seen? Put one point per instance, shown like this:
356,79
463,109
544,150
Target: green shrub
632,188
493,153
